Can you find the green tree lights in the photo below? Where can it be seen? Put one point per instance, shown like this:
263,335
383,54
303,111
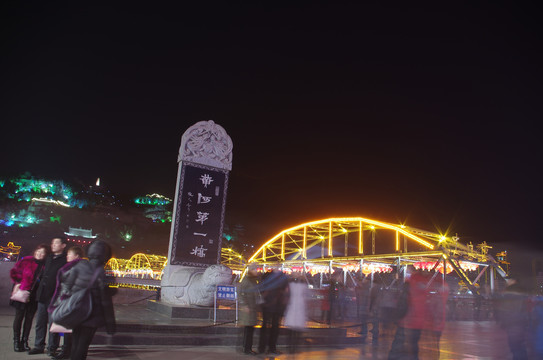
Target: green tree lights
126,235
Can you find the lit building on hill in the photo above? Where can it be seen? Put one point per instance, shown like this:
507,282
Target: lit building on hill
79,236
157,207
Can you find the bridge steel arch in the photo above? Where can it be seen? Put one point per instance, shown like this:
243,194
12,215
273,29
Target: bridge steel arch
141,261
232,259
115,264
356,243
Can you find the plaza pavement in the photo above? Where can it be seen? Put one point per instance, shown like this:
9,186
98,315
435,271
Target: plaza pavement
461,340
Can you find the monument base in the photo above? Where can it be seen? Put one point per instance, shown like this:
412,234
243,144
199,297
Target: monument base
190,312
187,286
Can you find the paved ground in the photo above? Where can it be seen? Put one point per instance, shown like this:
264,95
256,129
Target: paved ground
461,340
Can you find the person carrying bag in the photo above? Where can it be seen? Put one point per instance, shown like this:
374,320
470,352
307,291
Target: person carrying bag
87,303
73,256
22,296
77,308
25,275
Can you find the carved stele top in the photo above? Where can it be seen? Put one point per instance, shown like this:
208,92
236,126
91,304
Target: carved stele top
207,143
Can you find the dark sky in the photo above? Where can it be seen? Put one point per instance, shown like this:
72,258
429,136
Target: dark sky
427,115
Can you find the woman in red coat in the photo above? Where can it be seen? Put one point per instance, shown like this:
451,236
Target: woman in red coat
427,300
26,273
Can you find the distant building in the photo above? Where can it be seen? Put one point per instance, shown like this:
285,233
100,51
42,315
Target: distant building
79,236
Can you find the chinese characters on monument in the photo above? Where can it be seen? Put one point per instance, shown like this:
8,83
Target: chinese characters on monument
198,223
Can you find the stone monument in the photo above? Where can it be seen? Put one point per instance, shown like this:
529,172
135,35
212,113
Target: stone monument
194,253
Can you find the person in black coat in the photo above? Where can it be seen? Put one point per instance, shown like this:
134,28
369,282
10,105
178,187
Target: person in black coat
102,314
274,290
48,282
74,255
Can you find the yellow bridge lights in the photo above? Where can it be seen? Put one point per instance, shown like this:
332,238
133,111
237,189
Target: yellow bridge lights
295,242
232,259
146,262
152,266
115,264
10,249
139,265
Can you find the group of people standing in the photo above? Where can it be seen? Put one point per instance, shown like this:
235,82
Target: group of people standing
50,276
520,314
417,306
272,295
403,310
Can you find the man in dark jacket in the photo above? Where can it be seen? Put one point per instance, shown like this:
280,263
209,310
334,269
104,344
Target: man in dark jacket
274,290
48,281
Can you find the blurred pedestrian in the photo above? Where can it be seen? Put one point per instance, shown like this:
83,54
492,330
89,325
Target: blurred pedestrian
274,290
26,273
426,305
389,309
296,312
512,314
363,298
537,325
374,314
437,296
358,294
341,297
336,295
248,317
324,297
102,313
73,256
47,284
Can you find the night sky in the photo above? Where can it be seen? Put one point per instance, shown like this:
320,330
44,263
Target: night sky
422,115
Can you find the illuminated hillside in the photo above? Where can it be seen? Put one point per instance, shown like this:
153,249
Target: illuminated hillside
32,210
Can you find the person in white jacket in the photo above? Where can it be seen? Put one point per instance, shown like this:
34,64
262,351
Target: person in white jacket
296,312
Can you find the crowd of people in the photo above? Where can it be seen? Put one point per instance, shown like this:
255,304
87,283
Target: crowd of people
50,276
405,310
270,297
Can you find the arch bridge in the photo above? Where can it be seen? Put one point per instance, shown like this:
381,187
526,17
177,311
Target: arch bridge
140,271
366,245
